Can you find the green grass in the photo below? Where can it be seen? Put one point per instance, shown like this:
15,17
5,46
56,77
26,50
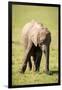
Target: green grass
49,17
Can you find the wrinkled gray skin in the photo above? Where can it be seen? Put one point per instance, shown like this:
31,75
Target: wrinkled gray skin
37,39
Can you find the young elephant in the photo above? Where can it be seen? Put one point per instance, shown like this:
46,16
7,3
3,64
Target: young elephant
37,38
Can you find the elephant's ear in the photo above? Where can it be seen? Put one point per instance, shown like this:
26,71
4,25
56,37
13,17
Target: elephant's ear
34,37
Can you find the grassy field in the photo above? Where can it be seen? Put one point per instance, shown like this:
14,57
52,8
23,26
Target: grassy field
49,17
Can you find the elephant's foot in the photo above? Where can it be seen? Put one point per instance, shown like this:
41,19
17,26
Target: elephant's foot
36,70
48,72
23,69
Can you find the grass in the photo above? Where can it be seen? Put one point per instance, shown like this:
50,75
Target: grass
49,17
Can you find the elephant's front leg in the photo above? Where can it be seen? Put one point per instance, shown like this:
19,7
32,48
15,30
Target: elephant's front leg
38,60
30,63
26,57
24,64
46,51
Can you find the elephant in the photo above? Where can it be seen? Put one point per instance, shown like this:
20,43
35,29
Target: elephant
37,39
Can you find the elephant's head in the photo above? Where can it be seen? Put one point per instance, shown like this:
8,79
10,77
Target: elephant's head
40,36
